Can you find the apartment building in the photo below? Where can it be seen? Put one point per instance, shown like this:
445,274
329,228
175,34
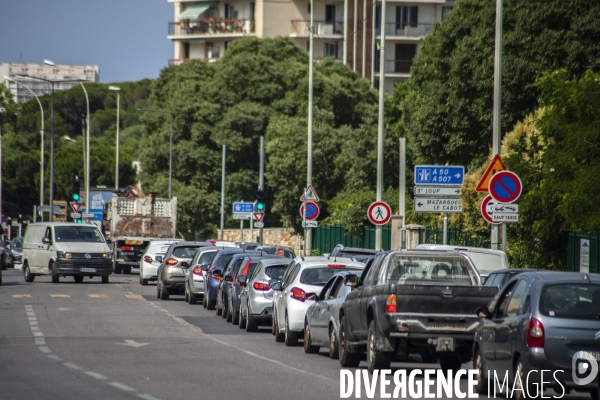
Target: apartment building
57,73
348,31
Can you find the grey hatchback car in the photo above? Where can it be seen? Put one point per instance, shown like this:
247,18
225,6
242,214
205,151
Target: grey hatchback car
171,273
542,326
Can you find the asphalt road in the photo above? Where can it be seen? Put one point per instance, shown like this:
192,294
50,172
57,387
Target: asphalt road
118,341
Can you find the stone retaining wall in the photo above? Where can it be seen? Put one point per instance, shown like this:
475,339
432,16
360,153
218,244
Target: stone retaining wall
278,236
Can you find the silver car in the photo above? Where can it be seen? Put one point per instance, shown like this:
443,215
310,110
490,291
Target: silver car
196,273
256,299
171,273
322,324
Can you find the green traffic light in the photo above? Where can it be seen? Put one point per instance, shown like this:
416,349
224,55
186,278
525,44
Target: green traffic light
76,196
79,221
260,206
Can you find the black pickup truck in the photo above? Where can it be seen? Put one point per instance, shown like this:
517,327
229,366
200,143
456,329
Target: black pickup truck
412,302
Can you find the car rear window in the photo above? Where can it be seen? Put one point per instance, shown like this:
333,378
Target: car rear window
430,270
185,251
571,300
158,249
319,276
485,261
207,257
352,253
275,271
224,260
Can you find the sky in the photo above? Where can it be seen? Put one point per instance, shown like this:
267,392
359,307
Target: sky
127,39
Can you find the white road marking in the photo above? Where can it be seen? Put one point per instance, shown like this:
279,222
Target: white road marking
40,341
32,323
32,318
95,375
72,366
35,328
45,349
38,334
31,313
147,397
54,357
121,386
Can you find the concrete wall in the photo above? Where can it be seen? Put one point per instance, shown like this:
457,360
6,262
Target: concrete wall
278,236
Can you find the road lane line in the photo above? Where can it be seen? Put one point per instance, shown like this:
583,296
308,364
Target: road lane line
32,318
54,357
40,341
35,328
95,375
32,323
37,334
72,366
98,296
121,386
44,349
147,397
60,296
21,296
30,314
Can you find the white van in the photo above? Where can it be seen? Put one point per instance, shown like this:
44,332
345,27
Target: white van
67,249
485,260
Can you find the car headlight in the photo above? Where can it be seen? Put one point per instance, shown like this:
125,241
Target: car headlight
106,255
62,254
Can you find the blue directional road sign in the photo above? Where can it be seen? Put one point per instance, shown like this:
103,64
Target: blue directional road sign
239,207
439,175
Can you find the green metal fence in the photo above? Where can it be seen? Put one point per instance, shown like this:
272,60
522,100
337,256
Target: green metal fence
455,237
325,238
572,244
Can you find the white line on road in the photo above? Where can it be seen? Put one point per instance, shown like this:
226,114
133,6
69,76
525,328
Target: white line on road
31,313
40,341
54,357
45,349
147,397
72,366
95,375
32,323
38,334
32,318
121,386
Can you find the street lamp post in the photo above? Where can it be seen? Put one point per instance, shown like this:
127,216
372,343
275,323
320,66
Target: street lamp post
118,90
52,82
170,146
87,141
6,78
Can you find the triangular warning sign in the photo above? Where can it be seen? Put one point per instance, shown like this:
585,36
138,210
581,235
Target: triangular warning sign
311,195
258,216
75,206
495,166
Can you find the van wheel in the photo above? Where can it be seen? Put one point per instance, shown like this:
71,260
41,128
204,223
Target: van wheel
78,279
29,277
55,278
118,268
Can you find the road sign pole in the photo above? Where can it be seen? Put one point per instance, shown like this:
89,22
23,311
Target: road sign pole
445,234
306,230
242,230
381,122
262,180
223,191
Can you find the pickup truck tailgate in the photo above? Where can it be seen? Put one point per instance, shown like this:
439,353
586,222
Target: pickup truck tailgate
442,299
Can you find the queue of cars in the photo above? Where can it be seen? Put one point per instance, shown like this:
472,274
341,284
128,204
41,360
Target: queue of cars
384,306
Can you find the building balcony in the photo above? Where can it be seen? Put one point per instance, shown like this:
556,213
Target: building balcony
400,68
323,29
212,27
179,61
404,30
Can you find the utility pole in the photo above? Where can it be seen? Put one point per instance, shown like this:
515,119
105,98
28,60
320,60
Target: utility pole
402,200
262,182
308,231
223,192
496,123
380,125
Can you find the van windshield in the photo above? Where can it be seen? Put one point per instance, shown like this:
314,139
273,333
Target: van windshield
78,234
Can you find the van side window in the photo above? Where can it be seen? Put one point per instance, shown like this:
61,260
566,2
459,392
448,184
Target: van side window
48,233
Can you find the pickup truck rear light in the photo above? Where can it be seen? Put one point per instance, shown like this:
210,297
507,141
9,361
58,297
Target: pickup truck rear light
171,261
535,333
148,259
390,304
298,294
336,265
126,248
262,286
133,242
197,270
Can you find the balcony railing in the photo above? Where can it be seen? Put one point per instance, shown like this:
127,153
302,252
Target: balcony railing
322,28
395,66
179,61
405,29
213,26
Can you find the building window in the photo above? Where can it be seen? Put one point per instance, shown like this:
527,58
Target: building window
329,13
230,12
376,84
252,11
331,50
309,8
445,11
404,57
378,19
406,16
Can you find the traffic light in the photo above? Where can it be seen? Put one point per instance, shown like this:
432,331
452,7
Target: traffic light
260,201
76,188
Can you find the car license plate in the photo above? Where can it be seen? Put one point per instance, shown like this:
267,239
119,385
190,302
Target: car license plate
595,354
128,253
447,326
87,269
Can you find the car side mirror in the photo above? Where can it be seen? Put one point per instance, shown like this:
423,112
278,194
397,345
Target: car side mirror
311,296
46,240
216,274
204,267
351,280
272,281
276,286
228,278
242,279
185,265
158,258
483,312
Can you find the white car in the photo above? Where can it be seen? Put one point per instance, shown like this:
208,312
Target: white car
151,259
303,275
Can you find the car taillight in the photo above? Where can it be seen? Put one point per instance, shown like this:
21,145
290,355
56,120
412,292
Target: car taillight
264,286
245,270
298,294
336,265
171,261
390,304
148,259
535,333
197,270
126,248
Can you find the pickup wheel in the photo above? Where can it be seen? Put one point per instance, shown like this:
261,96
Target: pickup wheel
291,338
450,362
347,359
376,359
334,353
309,348
481,385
